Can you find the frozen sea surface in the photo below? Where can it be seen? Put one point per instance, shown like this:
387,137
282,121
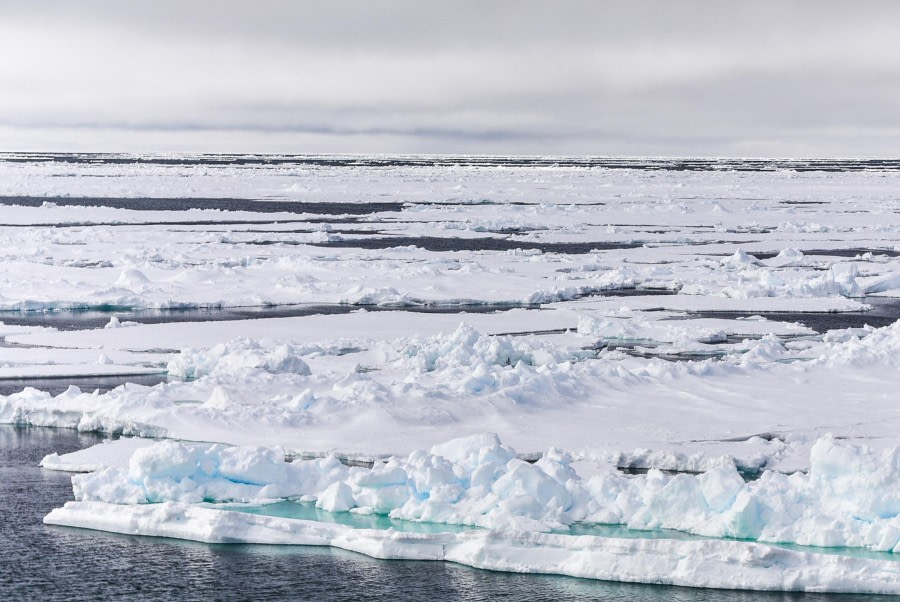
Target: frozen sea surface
676,314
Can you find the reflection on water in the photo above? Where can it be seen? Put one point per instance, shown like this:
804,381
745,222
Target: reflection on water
38,562
99,317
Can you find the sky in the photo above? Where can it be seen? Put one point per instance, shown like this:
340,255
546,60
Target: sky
811,78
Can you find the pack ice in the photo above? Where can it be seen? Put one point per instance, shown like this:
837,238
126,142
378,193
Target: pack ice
582,323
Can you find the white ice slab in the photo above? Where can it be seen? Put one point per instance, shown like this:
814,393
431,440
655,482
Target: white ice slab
109,454
711,563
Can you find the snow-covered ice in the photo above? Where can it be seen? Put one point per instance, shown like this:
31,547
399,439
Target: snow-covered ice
554,333
364,398
109,454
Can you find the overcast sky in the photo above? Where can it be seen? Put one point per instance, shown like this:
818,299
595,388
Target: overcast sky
674,77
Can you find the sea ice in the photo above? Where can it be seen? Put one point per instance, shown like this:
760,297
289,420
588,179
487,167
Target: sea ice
849,497
574,369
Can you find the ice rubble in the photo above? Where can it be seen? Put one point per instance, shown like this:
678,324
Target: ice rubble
468,348
890,283
849,498
743,276
521,387
114,322
239,355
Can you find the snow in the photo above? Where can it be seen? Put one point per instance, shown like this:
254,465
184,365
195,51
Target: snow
598,402
109,454
236,355
541,360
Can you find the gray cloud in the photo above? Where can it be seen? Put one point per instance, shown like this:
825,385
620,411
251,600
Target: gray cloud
652,77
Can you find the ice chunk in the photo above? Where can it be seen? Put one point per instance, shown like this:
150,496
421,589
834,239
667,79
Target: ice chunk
740,260
720,487
474,450
786,257
338,497
132,279
239,355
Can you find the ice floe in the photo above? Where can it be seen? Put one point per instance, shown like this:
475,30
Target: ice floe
848,499
604,400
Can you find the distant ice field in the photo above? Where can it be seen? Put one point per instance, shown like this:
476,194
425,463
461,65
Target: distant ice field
134,242
630,314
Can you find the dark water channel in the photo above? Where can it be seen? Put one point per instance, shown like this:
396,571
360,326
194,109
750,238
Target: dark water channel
38,562
226,204
87,319
450,244
885,311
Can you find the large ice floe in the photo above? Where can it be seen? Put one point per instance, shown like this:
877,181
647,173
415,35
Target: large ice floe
597,390
850,498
